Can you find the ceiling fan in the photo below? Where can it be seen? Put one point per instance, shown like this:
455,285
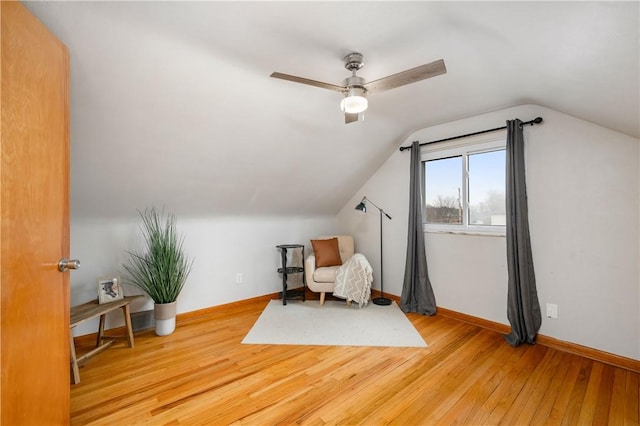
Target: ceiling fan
355,88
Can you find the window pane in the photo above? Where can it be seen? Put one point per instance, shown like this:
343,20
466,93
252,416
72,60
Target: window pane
486,188
443,183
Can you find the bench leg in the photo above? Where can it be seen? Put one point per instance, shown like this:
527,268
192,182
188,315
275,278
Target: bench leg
101,330
127,319
75,371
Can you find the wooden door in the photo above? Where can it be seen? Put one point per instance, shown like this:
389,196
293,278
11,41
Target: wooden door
34,309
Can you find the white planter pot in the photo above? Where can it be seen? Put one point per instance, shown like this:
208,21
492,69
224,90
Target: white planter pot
165,315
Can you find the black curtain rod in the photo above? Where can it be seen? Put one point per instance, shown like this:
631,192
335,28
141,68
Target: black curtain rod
536,120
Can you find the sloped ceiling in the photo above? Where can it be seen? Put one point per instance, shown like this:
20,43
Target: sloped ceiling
172,104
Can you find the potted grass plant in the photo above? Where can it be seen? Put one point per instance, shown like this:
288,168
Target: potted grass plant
161,268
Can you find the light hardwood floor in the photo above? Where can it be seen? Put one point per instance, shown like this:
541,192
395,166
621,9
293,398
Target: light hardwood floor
203,375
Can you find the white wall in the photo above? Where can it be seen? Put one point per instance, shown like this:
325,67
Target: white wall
583,188
220,246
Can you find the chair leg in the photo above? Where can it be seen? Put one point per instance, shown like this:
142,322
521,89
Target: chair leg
322,298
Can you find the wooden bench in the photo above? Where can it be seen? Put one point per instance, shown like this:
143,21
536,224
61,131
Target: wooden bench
91,310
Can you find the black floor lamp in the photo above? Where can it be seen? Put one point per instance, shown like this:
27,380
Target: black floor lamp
363,208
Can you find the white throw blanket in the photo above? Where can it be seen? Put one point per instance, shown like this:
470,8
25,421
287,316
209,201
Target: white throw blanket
353,280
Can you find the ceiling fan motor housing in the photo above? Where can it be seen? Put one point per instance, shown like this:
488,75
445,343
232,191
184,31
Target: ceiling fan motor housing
354,81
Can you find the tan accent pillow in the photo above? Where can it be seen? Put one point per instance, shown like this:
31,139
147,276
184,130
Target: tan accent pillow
327,252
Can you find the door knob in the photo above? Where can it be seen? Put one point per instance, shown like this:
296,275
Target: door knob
65,264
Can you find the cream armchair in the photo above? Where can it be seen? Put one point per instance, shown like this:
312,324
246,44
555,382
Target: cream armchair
322,279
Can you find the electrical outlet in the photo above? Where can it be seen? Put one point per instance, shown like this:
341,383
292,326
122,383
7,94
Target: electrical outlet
552,310
239,278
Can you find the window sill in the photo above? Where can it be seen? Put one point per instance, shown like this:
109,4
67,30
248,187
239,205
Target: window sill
474,232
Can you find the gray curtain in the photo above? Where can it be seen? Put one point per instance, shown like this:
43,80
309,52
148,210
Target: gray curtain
417,294
523,308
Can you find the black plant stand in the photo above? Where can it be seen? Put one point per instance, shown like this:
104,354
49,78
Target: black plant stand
285,270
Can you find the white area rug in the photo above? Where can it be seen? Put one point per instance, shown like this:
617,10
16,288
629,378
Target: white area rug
334,324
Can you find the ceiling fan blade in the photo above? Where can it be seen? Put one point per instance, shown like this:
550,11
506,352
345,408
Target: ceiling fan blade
350,118
310,82
407,77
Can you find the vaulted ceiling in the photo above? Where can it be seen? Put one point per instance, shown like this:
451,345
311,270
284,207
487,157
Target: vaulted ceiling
172,103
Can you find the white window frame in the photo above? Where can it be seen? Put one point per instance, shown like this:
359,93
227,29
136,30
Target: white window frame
464,147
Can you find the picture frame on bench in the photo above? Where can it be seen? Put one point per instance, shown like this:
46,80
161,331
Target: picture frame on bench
109,289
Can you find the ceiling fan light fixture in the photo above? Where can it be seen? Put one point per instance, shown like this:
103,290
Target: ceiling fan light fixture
355,101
